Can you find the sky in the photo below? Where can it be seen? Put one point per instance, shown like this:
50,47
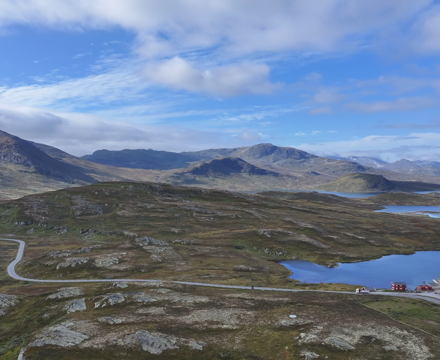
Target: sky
331,77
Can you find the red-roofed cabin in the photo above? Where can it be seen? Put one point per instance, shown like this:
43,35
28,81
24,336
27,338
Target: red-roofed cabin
398,286
424,287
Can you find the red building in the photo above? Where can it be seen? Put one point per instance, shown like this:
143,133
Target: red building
424,287
398,286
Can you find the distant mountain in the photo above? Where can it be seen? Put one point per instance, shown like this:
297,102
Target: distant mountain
368,161
402,166
435,164
271,157
143,159
227,166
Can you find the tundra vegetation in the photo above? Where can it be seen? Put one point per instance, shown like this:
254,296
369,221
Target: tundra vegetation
157,231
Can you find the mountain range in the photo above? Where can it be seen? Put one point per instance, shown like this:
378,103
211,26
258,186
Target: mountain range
403,166
27,167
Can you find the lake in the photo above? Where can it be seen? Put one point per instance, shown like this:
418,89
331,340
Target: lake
414,209
346,195
379,273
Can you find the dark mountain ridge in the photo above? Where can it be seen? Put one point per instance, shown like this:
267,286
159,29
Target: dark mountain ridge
227,166
16,151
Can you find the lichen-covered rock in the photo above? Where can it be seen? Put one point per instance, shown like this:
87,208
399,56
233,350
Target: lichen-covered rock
65,293
110,320
143,298
244,268
308,355
72,262
155,343
6,301
106,262
75,305
146,240
121,285
60,335
109,299
390,348
338,343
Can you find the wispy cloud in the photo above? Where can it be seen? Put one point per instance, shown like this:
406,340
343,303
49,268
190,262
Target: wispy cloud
400,104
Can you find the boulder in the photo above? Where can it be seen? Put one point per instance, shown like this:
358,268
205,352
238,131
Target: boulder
65,293
6,301
75,305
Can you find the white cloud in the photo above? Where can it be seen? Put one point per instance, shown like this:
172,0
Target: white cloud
168,27
81,134
412,146
400,104
229,80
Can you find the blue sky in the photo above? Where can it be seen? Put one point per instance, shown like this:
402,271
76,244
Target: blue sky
332,77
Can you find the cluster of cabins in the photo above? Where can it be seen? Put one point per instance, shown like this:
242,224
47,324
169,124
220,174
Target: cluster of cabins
399,286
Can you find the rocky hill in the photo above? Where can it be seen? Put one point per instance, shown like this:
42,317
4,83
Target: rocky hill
227,166
16,151
367,183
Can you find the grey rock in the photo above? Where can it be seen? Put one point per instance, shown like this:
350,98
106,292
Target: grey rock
195,345
143,298
146,240
121,285
75,305
110,320
60,335
72,262
155,343
21,354
244,268
106,262
7,301
338,343
390,348
65,293
308,355
109,299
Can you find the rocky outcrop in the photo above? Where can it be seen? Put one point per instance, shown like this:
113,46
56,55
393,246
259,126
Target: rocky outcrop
109,299
338,343
60,335
146,240
72,262
143,298
75,305
65,293
156,343
83,207
7,301
244,268
106,262
66,253
110,320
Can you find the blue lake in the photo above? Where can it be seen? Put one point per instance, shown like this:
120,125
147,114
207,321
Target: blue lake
409,208
346,195
412,269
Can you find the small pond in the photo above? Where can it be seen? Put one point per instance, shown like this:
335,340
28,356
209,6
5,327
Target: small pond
379,273
425,210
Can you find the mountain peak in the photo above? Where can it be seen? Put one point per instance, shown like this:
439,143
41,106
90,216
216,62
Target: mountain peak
227,166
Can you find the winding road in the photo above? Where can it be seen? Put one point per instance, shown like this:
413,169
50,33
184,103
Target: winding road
431,297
